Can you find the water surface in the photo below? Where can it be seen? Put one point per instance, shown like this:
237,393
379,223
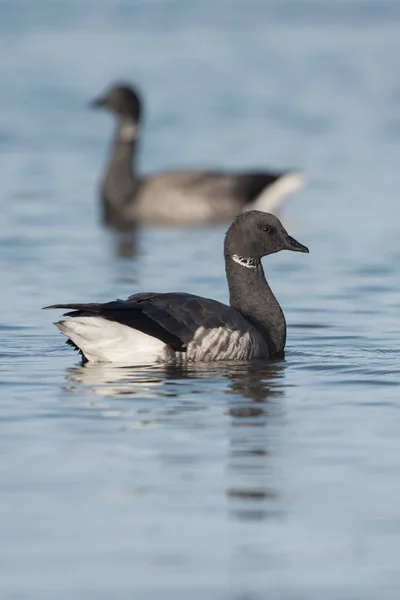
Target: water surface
268,480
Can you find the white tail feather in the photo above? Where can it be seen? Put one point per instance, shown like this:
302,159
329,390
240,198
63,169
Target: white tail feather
273,196
108,341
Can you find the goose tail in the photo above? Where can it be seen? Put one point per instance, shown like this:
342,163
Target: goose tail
99,340
272,197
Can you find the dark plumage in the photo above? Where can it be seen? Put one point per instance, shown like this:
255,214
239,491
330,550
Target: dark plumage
184,197
153,327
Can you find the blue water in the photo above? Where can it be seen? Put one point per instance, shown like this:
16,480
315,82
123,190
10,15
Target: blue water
278,481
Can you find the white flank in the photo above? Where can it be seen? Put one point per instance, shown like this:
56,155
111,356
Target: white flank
273,196
108,341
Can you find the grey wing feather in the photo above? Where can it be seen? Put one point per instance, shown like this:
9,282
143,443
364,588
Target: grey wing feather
209,329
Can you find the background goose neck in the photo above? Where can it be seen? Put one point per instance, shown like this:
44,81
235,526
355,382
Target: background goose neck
121,168
120,182
124,147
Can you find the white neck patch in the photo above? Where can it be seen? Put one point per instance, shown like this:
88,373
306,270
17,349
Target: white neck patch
249,263
128,131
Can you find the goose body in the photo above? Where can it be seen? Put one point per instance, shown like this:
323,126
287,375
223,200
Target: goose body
177,327
159,328
180,197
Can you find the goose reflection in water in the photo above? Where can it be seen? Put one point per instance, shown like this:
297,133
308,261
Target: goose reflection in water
256,411
255,393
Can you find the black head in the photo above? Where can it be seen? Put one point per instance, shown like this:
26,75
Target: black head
255,234
123,101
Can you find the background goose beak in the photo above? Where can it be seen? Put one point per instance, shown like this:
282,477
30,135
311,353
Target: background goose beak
97,102
292,244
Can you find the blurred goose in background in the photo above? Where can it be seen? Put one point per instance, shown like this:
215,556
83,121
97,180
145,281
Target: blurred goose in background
177,198
177,327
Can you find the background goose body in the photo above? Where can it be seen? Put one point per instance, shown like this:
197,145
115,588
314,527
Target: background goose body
182,197
201,197
152,327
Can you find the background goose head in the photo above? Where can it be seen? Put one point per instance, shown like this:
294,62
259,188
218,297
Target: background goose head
124,102
254,234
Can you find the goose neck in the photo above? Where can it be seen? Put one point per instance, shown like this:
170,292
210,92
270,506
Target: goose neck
250,294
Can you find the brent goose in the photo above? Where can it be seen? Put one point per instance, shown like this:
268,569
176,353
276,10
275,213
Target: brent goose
185,197
176,327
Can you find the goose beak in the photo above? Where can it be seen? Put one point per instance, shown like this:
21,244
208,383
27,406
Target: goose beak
292,244
97,102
